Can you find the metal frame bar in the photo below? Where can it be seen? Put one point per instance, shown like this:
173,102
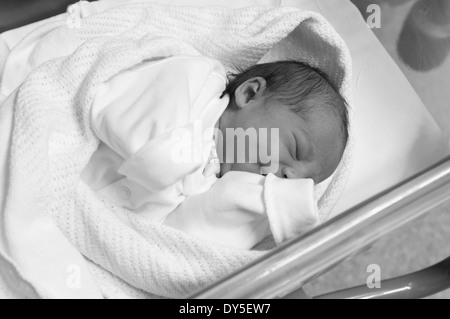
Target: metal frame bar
297,262
418,285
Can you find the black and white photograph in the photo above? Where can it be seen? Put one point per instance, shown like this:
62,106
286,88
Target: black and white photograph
225,157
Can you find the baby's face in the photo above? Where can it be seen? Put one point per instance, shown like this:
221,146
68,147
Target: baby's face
307,149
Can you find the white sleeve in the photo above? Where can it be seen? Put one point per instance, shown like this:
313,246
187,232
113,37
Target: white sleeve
136,113
143,103
241,209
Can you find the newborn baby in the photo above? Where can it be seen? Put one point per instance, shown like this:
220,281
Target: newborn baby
150,117
301,102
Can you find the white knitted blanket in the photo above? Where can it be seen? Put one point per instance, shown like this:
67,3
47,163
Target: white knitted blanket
65,240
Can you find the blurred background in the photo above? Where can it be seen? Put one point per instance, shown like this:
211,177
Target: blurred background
417,35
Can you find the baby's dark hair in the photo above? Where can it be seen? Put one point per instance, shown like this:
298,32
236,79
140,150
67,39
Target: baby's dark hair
299,85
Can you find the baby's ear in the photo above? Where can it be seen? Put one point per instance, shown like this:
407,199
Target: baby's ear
250,91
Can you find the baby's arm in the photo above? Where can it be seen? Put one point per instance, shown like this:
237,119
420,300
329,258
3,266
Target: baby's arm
136,112
241,209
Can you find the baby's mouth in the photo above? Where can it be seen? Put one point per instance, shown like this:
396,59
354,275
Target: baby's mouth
224,168
266,170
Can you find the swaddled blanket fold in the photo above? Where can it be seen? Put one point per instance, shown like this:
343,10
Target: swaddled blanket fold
52,222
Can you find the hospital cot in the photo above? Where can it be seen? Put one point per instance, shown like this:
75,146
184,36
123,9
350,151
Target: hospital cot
367,211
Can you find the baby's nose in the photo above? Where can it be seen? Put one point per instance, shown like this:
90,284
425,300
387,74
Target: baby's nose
287,172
